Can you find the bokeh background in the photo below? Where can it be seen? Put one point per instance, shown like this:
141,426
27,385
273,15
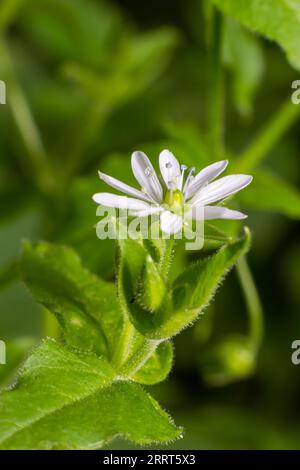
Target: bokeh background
88,82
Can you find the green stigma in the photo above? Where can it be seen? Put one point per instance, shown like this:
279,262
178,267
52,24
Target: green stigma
174,199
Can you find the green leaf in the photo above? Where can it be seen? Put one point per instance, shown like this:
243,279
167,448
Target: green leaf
270,193
191,292
214,238
195,287
76,227
243,56
278,20
85,305
202,278
64,400
158,366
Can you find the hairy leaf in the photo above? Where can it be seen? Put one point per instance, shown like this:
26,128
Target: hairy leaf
243,56
194,288
66,400
85,305
278,20
192,291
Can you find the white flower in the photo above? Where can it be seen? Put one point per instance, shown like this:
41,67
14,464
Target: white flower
181,195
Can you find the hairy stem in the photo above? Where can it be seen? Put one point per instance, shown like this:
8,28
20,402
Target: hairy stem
166,259
123,349
138,359
50,325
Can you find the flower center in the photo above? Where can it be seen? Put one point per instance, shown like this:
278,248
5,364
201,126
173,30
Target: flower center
174,200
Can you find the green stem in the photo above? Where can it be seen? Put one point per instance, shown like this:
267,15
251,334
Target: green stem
138,359
166,259
269,135
122,351
255,310
50,327
216,88
25,123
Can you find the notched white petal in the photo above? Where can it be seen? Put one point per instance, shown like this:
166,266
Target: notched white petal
205,176
170,169
221,189
123,187
146,176
217,212
119,202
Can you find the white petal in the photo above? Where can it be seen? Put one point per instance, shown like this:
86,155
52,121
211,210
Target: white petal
145,212
170,223
170,169
215,212
146,176
221,189
120,186
119,202
204,176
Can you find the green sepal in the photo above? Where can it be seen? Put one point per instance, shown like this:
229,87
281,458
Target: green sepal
151,287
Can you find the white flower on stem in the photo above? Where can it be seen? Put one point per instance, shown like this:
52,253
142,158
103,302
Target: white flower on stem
180,196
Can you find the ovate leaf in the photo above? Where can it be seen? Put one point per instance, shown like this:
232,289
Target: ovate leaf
189,295
278,20
66,400
195,287
85,305
243,56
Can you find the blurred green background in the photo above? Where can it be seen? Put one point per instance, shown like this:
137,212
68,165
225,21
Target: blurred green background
88,82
